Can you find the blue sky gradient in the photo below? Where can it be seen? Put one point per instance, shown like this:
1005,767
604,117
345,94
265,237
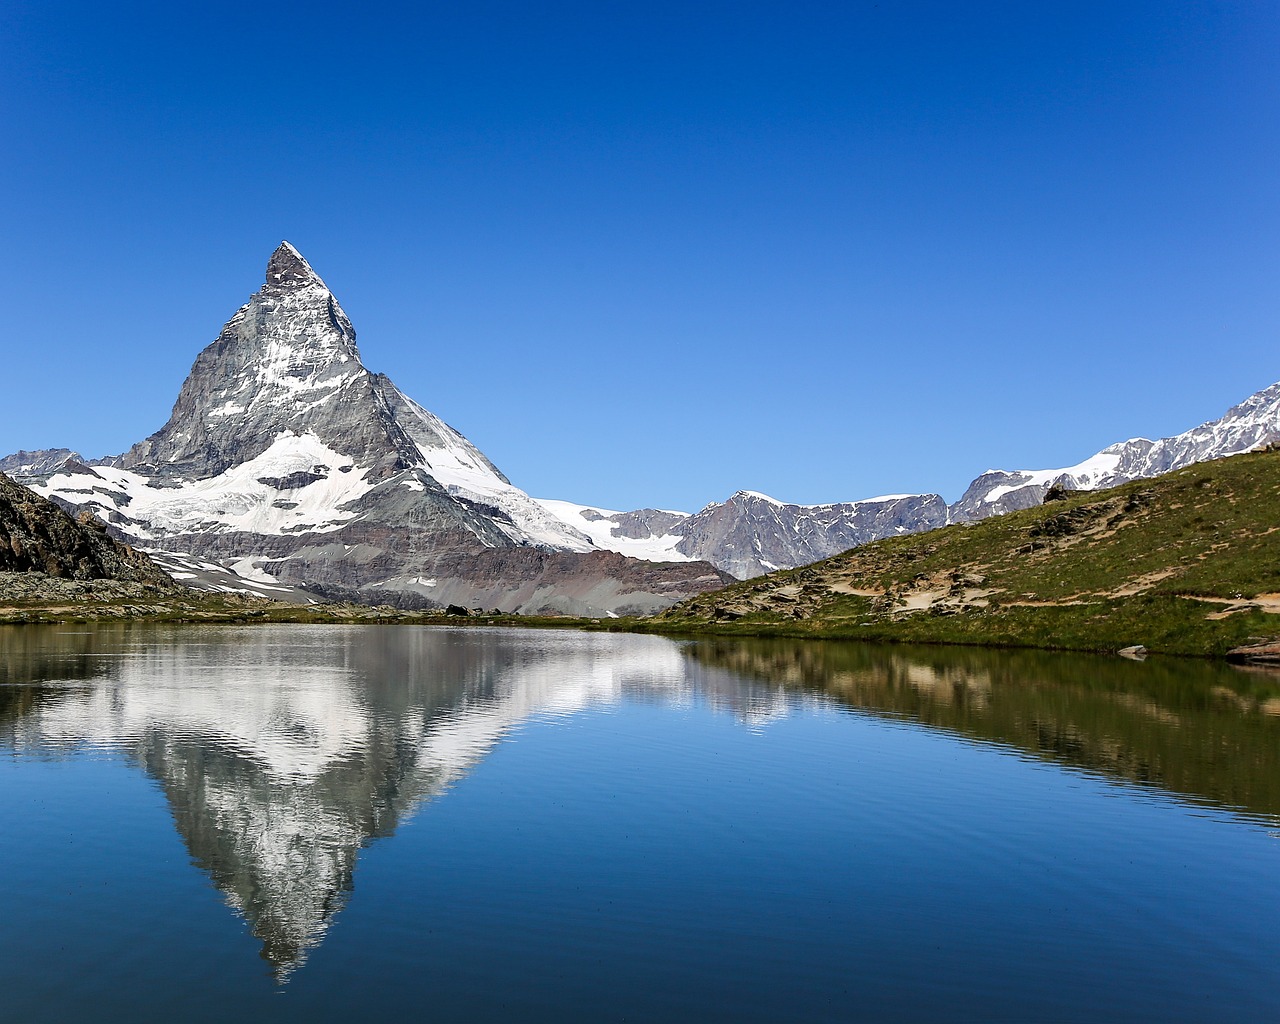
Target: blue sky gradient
651,254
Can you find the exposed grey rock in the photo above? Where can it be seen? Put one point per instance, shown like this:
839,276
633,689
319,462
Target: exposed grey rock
750,534
21,465
646,522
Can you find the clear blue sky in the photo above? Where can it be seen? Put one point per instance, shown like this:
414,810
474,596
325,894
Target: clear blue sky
648,254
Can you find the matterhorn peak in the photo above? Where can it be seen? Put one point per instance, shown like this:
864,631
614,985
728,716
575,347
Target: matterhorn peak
286,362
288,269
286,458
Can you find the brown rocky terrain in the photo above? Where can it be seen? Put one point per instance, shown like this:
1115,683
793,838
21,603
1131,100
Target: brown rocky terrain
37,536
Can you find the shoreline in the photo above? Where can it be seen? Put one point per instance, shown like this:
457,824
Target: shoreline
203,608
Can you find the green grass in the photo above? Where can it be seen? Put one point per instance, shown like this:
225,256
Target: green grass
1099,571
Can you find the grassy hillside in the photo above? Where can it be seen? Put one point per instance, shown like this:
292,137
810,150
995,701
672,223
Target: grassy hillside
1187,563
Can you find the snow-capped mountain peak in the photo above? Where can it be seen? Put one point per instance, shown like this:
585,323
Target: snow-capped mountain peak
286,361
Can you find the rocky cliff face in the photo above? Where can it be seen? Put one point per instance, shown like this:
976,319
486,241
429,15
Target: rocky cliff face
288,461
38,536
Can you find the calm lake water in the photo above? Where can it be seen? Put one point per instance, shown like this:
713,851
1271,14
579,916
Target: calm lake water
349,823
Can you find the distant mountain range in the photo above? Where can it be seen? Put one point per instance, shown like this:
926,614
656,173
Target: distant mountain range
750,534
287,465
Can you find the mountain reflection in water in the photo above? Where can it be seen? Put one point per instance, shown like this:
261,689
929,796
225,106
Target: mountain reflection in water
283,750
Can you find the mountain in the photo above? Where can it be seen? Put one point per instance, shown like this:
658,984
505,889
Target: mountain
1184,563
289,462
289,465
751,534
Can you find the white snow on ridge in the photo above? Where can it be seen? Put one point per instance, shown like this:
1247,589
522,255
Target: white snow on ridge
459,467
234,501
878,499
761,496
1085,475
599,524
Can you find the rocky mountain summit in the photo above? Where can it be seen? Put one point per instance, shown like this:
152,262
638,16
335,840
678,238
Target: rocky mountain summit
290,463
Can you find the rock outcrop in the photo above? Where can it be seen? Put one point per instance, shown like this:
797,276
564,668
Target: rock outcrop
38,536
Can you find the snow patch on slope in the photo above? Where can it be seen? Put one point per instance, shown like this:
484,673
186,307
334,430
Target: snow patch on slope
600,524
1086,475
257,496
460,468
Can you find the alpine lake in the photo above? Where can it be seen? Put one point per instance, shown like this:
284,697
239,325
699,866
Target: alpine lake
333,823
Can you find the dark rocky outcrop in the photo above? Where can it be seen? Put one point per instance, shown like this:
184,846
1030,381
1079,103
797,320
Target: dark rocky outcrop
38,536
